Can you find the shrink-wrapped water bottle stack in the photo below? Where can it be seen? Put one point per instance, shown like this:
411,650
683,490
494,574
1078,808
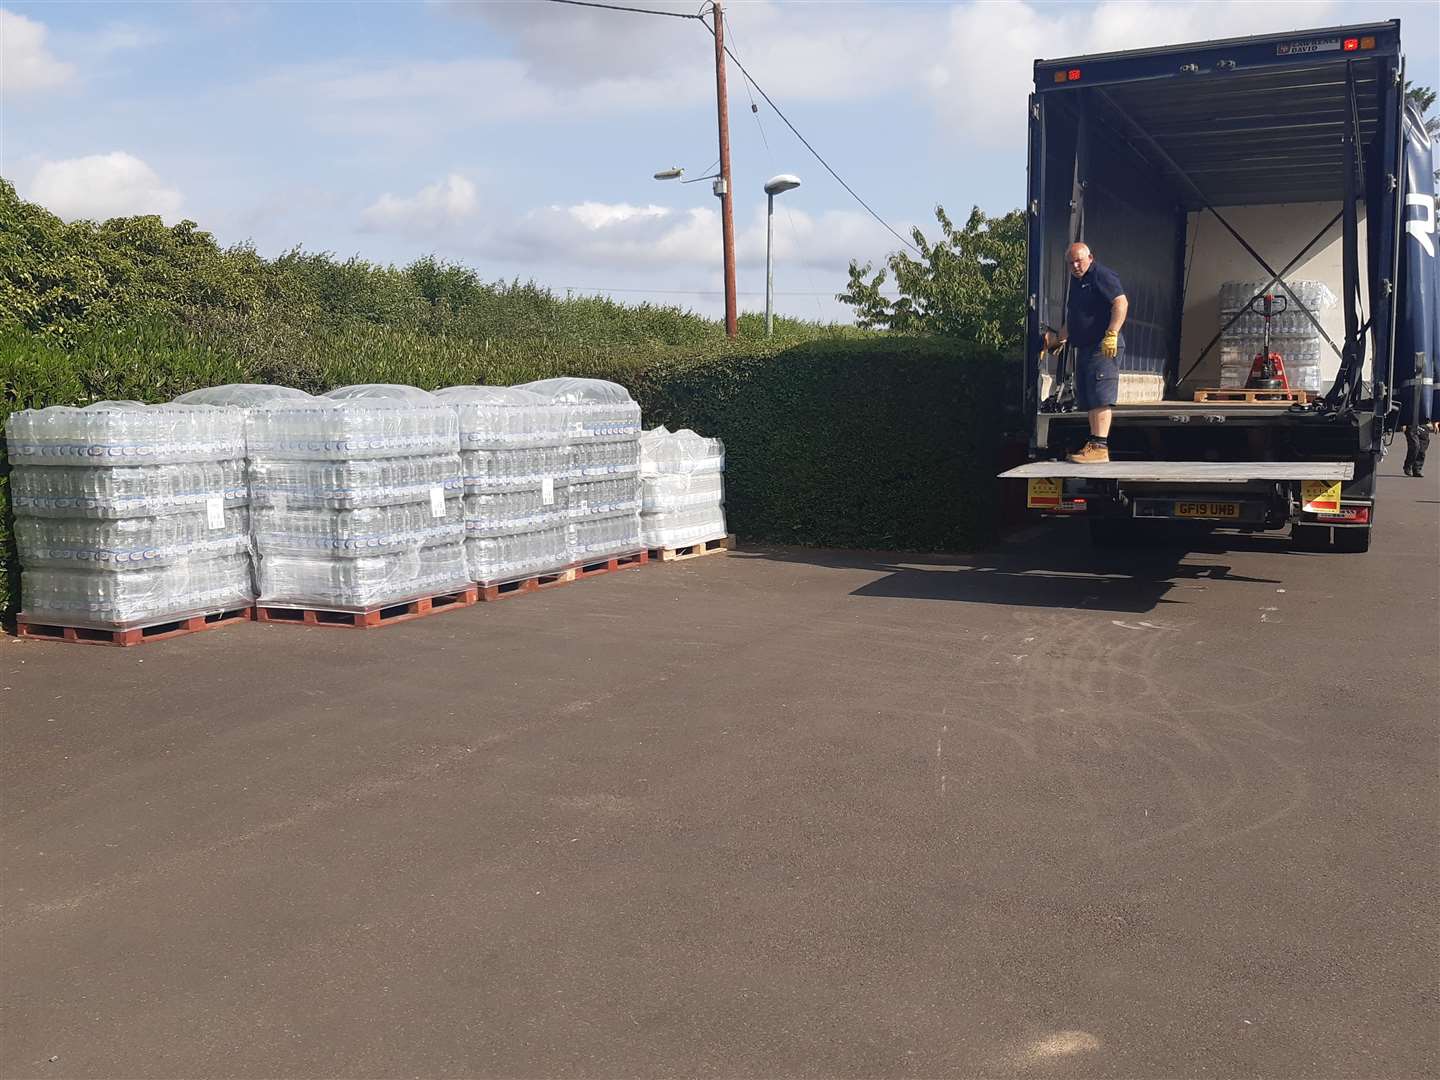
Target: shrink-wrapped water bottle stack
682,488
129,515
1292,334
357,498
514,462
603,444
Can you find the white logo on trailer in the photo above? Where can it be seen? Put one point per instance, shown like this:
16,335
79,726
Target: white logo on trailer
1422,228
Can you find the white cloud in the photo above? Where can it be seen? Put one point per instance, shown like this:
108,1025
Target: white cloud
623,235
102,186
447,205
610,234
26,64
980,85
120,37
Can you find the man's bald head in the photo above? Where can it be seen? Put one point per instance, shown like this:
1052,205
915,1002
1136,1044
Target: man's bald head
1078,257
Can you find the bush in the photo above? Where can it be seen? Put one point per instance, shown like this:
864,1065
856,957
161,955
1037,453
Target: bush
881,442
835,435
885,443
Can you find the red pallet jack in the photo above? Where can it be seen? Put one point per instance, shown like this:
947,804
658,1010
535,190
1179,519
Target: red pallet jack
1267,371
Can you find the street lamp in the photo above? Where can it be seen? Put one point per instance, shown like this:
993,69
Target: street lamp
776,185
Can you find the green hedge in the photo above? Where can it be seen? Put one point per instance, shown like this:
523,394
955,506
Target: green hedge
880,442
888,443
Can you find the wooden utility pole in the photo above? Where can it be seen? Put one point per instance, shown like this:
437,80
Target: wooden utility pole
723,186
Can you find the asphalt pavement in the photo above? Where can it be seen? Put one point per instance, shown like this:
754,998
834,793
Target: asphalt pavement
1043,811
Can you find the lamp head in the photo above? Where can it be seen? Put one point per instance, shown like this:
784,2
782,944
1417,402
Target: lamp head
670,174
784,182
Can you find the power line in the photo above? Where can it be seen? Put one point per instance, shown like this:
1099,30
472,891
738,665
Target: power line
751,79
807,145
755,112
618,7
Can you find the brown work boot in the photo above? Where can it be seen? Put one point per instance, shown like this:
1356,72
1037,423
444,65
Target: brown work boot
1090,454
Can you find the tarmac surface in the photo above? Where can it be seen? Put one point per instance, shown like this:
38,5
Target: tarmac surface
1045,811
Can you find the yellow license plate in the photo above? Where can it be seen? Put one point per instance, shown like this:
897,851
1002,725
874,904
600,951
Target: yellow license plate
1222,510
1043,494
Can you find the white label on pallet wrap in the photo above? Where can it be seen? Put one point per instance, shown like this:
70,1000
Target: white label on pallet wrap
547,490
437,501
215,511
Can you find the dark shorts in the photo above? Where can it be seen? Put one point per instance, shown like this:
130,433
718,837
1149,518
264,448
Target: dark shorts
1097,378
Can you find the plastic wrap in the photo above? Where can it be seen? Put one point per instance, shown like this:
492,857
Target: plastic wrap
329,429
363,583
125,543
603,441
119,433
1292,334
505,418
681,528
152,594
597,409
128,491
683,452
496,513
516,462
602,537
682,488
244,395
398,391
374,530
680,492
604,498
514,469
352,484
129,514
494,560
357,498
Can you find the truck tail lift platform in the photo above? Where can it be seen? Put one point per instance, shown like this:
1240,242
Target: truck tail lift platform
1162,160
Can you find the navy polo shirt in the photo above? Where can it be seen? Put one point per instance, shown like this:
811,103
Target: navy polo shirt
1087,312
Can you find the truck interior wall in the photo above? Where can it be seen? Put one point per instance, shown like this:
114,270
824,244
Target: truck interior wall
1278,231
1131,223
1132,226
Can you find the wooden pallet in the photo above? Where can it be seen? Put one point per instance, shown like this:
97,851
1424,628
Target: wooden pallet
1241,396
526,585
364,620
694,551
130,635
615,562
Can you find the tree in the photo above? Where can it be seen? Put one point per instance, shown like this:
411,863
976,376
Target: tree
1422,97
969,284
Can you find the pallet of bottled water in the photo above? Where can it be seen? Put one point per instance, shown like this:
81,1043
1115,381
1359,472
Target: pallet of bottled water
357,498
682,487
1292,334
129,515
602,442
515,471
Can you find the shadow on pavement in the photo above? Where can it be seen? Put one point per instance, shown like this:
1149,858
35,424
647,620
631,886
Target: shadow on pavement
1054,567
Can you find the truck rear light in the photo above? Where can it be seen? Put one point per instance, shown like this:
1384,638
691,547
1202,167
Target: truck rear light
1350,44
1071,506
1367,43
1350,515
1073,74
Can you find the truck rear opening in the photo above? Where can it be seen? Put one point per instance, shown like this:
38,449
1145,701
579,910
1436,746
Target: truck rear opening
1274,163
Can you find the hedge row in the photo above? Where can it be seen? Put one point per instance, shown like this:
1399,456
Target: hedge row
885,442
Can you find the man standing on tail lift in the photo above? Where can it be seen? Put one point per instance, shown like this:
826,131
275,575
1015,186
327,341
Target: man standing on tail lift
1094,313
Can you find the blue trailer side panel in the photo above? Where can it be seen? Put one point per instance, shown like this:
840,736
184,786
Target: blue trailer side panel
1417,331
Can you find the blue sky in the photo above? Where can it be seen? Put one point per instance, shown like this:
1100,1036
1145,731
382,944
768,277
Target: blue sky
520,137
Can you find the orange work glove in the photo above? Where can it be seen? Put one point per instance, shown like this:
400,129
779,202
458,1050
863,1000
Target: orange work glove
1110,344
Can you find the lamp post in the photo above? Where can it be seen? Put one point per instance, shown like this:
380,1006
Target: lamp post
776,184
